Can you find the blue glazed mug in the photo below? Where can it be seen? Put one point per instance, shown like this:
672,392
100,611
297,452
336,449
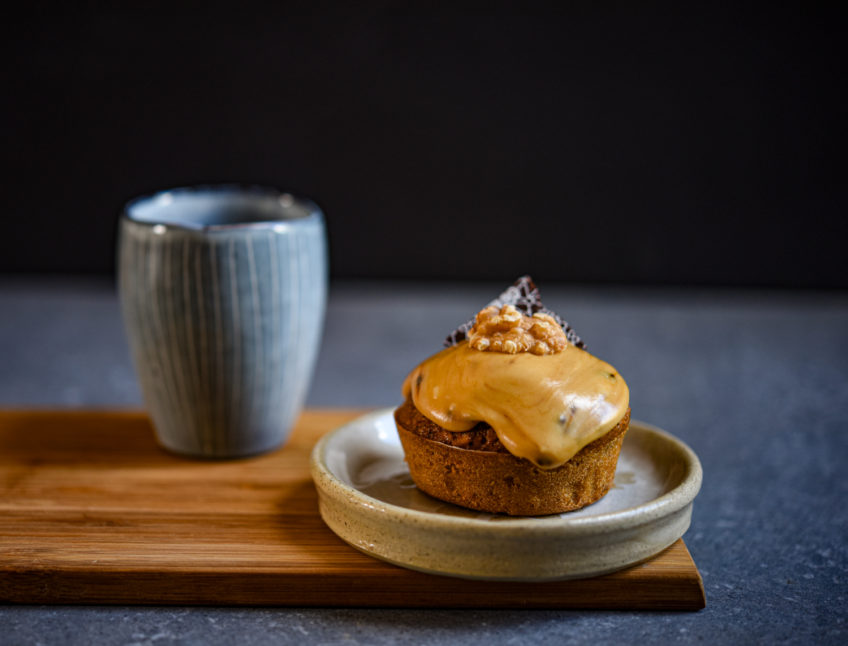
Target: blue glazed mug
223,291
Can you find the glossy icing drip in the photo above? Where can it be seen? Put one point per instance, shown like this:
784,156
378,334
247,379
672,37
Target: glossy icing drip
543,408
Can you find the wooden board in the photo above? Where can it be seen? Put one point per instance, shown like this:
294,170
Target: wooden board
93,511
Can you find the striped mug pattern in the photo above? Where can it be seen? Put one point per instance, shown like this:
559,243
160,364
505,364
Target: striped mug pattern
223,293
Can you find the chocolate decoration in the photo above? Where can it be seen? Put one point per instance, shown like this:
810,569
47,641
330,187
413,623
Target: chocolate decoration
525,297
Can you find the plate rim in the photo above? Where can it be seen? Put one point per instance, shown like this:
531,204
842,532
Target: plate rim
668,503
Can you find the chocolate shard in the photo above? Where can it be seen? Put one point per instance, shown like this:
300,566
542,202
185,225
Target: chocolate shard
525,297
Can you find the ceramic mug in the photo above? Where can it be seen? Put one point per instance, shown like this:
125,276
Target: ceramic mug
223,292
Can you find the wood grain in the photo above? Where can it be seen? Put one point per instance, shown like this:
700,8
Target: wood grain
93,511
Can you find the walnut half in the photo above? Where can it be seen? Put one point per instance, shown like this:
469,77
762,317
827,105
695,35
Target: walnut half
508,330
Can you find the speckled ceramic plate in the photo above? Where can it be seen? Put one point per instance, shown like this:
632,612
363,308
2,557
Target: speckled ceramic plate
367,497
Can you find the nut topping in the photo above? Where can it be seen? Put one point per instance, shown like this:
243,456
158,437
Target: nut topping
509,331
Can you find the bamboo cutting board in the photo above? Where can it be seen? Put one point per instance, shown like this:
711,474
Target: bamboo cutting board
92,511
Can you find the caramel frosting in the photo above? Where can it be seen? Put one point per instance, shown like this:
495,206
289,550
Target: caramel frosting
543,407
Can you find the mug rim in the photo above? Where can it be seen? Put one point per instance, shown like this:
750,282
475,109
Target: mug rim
313,211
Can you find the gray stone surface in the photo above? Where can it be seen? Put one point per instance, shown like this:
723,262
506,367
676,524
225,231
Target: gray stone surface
756,382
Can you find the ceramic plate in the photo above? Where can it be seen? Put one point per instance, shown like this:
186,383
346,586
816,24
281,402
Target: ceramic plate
367,497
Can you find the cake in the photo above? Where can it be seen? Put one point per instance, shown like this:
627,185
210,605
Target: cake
514,416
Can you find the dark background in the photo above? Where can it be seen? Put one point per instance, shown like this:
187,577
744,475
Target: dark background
597,143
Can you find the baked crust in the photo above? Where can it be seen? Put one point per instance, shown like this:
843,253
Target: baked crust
472,470
480,438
